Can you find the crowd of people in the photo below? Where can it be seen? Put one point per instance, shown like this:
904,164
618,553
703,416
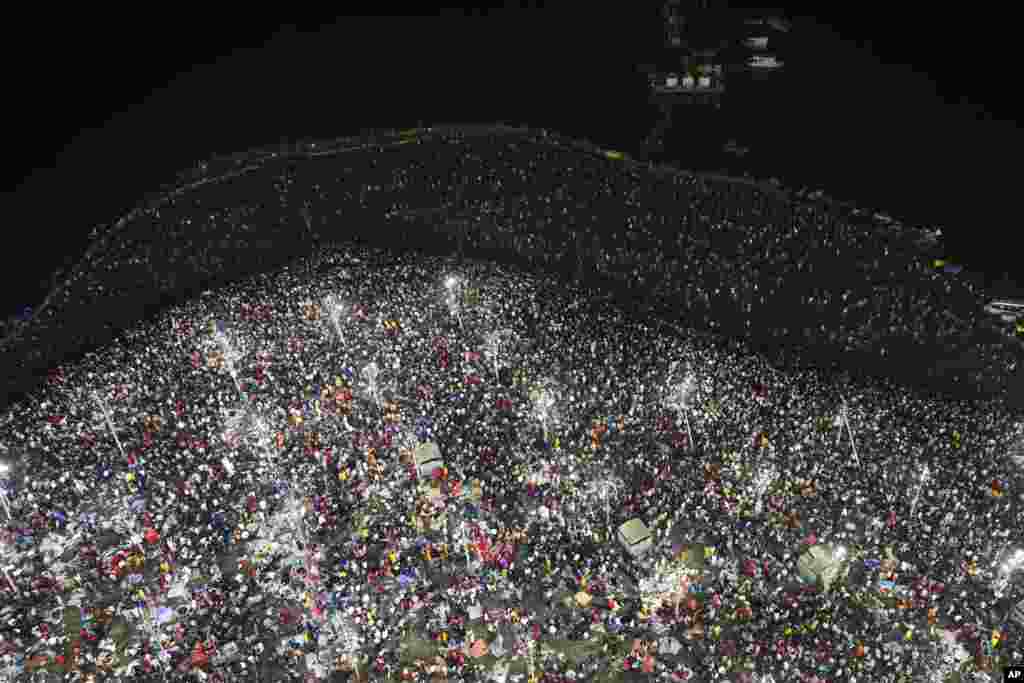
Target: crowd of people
235,486
231,490
745,259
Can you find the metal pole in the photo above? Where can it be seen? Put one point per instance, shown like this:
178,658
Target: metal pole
689,431
337,326
920,484
849,429
110,425
228,352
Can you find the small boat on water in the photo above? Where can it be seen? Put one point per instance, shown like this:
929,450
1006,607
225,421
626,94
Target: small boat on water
764,62
732,147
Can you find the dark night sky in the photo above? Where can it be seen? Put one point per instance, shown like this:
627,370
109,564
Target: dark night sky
911,115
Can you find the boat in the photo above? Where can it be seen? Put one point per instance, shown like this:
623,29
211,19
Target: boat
763,62
732,147
1010,310
667,84
930,237
709,69
777,23
756,43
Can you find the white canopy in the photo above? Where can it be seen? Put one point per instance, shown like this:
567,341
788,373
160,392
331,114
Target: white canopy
427,457
822,562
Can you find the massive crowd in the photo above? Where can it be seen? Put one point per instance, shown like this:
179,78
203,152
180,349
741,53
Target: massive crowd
230,491
787,273
259,488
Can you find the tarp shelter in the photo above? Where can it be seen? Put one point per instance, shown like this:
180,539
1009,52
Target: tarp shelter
427,457
820,563
635,537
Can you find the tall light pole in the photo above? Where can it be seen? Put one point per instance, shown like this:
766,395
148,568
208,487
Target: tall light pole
4,470
109,422
454,287
849,430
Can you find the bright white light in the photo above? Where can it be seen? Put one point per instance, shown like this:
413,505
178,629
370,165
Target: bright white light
1013,562
4,468
840,552
451,281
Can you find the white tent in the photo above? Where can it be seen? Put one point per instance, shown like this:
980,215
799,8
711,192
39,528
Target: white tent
635,537
823,562
427,457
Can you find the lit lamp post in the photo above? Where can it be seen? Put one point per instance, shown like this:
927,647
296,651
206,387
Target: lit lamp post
679,399
849,430
4,484
543,398
105,410
5,469
922,479
1005,571
335,309
370,374
454,288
